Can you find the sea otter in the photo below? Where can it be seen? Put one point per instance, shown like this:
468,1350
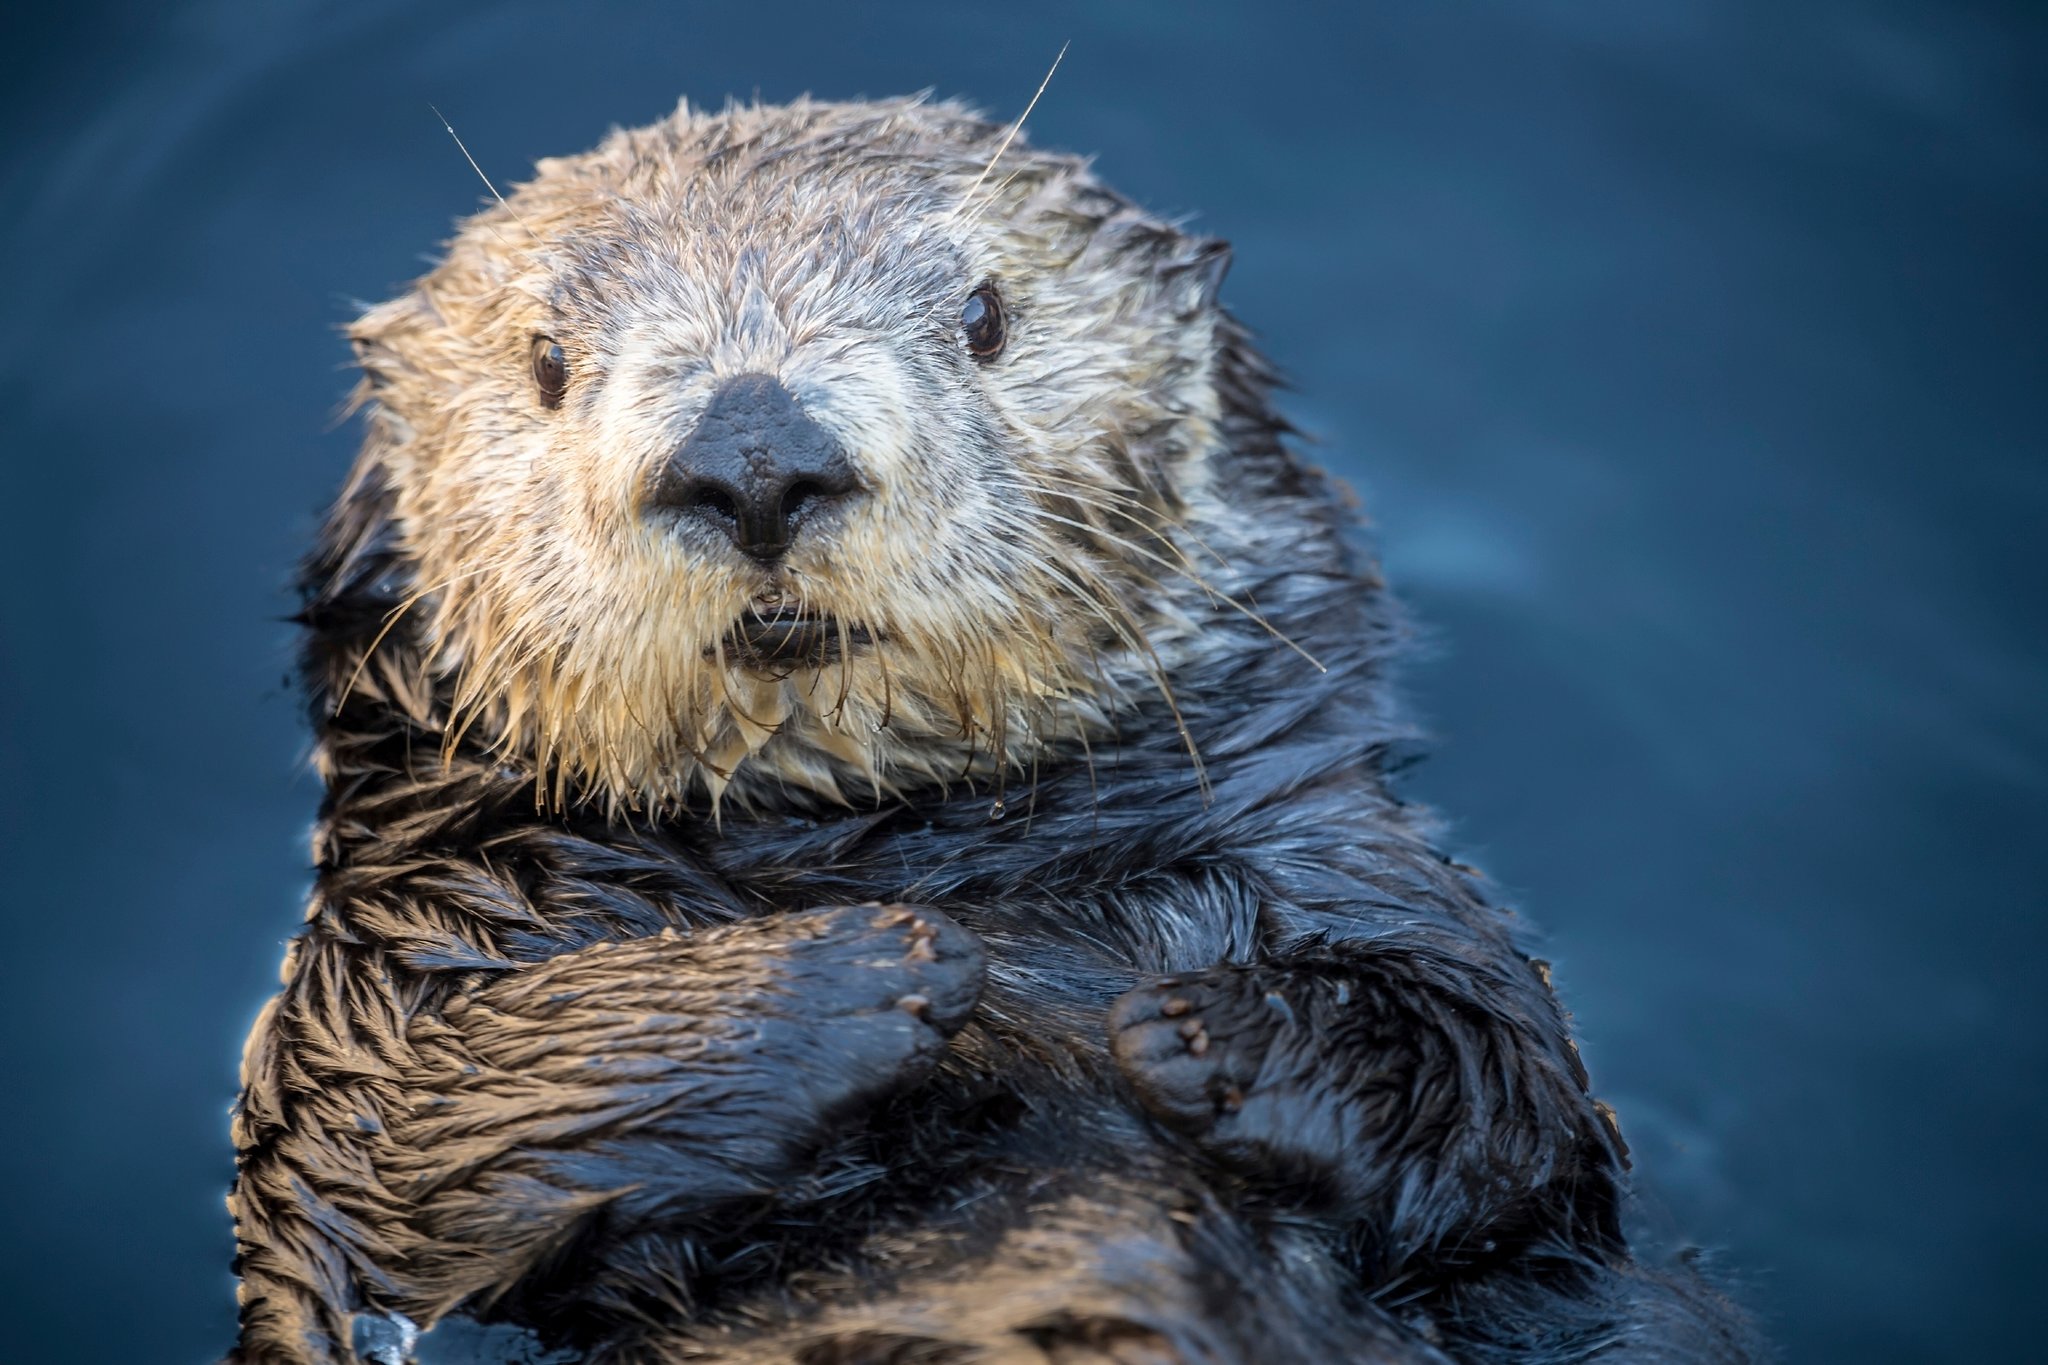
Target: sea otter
858,825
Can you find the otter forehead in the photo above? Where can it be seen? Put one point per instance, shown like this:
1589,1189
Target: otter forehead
811,206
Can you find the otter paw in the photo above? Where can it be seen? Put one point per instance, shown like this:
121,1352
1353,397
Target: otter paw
866,997
859,959
1196,1048
1277,1075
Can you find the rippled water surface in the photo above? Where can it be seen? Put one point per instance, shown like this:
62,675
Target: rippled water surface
1688,357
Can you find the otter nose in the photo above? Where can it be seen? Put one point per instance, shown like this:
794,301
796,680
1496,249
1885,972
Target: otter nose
757,467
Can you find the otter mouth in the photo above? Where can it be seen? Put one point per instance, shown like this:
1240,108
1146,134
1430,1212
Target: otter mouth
784,638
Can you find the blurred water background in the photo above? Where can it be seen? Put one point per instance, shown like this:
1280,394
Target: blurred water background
1688,357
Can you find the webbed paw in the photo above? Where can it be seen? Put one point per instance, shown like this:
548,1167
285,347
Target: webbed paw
1231,1058
875,991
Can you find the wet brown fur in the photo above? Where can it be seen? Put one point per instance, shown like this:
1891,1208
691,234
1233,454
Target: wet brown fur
567,1039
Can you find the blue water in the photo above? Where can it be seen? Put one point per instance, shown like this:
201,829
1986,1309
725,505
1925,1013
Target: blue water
1689,358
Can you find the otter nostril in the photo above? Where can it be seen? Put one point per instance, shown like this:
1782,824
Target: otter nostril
797,494
712,498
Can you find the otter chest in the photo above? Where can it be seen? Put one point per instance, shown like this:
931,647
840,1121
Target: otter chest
1073,911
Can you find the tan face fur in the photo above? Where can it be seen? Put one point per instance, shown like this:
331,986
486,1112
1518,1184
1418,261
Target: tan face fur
1013,517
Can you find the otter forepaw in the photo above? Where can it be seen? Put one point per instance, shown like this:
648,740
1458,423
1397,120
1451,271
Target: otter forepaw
857,959
874,992
1227,1057
1194,1047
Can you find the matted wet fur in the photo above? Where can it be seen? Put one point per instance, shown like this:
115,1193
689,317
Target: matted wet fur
1040,969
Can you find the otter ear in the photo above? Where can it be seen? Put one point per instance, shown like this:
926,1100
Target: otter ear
1206,262
1192,272
382,336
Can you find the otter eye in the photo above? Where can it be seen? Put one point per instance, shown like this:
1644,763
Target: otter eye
550,371
981,323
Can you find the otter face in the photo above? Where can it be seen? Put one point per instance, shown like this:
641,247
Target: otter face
807,447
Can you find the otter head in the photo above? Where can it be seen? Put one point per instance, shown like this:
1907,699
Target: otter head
815,448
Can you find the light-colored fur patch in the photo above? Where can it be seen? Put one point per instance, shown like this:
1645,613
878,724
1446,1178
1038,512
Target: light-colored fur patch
1017,516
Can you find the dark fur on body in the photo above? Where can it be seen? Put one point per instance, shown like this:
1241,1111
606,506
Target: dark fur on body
1152,1069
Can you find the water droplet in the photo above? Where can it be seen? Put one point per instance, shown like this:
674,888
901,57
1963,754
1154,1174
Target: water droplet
996,811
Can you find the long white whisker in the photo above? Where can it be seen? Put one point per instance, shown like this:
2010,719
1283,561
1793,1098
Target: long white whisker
486,179
1126,631
1215,595
1010,136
